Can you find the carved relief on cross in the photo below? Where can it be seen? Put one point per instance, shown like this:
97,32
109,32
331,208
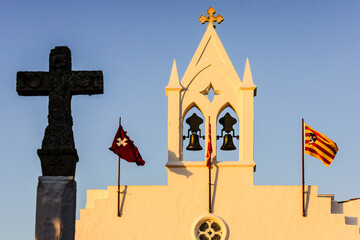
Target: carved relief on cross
58,154
211,17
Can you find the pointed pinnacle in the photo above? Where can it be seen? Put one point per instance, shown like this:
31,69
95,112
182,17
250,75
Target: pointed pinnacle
174,83
247,83
247,78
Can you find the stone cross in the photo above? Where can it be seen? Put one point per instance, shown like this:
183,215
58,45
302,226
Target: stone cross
211,17
58,155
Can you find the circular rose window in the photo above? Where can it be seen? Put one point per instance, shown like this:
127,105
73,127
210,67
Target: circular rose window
210,228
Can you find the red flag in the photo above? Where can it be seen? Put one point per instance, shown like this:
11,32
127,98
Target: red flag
125,148
209,149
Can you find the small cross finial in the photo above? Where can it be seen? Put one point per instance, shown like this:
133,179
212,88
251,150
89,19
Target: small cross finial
211,17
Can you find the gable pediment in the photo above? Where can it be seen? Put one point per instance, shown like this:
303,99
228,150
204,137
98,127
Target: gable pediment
210,52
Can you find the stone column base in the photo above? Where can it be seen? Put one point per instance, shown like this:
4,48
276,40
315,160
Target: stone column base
55,208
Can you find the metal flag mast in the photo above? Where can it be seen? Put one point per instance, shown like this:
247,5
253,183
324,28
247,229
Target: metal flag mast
118,189
210,210
303,169
209,159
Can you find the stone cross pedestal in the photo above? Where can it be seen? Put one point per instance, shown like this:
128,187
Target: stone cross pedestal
56,196
55,214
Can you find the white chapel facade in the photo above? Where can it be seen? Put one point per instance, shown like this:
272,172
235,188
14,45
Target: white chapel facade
238,208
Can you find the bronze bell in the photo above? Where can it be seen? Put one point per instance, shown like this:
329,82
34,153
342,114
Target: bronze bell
228,122
228,144
194,144
194,122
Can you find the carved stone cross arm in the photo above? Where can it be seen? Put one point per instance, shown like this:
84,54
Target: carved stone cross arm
32,83
86,82
80,83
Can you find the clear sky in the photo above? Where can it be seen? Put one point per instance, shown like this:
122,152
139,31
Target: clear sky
305,61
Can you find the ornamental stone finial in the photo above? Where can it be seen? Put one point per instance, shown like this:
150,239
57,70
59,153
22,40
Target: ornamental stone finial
211,17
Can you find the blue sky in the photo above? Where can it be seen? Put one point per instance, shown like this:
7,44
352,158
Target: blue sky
304,56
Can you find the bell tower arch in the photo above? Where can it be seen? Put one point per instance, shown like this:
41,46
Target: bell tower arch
210,70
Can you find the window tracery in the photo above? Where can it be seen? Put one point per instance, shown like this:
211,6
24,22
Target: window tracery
210,229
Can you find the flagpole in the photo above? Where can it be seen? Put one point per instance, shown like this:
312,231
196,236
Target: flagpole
303,170
210,211
210,187
118,190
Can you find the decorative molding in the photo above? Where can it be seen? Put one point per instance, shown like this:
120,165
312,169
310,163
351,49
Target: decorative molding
202,164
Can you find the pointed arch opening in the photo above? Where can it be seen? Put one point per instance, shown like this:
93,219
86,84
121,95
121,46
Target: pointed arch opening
228,144
193,120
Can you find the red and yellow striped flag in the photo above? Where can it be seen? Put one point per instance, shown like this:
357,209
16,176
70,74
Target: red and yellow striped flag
209,149
319,146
